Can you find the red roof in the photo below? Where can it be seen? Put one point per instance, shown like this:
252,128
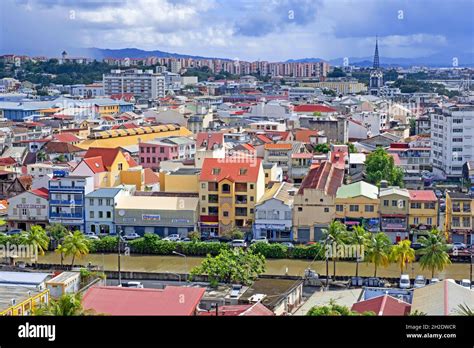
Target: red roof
128,125
113,300
95,164
108,155
150,177
41,192
422,195
208,140
382,305
66,138
327,177
263,138
313,108
122,96
217,169
304,135
7,161
256,309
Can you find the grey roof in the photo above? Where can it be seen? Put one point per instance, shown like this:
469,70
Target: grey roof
104,193
17,293
22,278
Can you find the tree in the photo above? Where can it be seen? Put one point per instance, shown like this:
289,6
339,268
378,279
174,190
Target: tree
195,236
61,250
76,244
234,233
379,166
465,310
333,309
403,254
322,148
351,147
38,238
378,250
231,266
56,231
66,305
358,237
335,235
434,252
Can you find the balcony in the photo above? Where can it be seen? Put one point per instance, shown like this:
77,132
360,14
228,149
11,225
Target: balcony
240,199
66,215
213,199
66,202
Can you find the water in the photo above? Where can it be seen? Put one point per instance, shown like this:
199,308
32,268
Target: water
178,264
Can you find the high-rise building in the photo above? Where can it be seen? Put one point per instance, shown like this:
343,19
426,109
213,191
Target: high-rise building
143,84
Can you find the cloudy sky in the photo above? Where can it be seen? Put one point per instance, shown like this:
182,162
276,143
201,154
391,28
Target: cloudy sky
271,30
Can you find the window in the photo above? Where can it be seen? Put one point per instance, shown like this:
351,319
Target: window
107,202
339,208
226,188
394,203
24,211
153,149
353,207
120,166
91,214
326,210
203,210
225,213
300,208
430,205
101,201
109,214
429,221
416,205
162,150
456,221
251,186
369,208
101,214
203,185
385,203
416,221
203,198
466,222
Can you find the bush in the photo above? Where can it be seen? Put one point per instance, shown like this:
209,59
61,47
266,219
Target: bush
105,244
273,251
307,252
195,236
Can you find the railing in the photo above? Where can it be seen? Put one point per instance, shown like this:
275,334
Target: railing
67,202
65,215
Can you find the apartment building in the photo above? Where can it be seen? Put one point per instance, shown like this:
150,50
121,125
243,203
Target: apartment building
173,148
143,84
228,193
452,139
27,209
459,217
422,212
394,203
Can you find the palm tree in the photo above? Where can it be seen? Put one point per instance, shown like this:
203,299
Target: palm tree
66,305
62,251
434,252
335,235
464,309
378,252
403,253
76,244
358,237
56,231
37,238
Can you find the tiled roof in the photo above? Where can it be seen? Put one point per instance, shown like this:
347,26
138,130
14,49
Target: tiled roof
256,309
282,146
108,155
150,177
6,161
216,169
60,147
208,140
131,301
95,164
304,135
41,192
327,178
382,305
356,189
66,138
313,108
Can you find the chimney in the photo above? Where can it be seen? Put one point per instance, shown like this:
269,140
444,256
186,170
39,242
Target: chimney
383,184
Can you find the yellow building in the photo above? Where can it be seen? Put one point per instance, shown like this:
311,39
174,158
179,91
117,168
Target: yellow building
459,217
358,204
394,203
422,212
20,300
180,180
133,136
273,173
228,192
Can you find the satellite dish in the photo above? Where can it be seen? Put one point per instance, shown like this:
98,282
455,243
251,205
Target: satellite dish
121,212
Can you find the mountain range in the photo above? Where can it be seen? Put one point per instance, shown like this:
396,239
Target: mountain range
435,60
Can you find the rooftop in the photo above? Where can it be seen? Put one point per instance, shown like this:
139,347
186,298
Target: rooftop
356,189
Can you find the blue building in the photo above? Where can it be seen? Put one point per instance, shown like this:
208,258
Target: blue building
67,200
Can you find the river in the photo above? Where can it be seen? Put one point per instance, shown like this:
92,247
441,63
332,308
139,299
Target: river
178,264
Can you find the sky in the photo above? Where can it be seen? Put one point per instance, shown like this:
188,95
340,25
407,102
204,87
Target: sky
272,30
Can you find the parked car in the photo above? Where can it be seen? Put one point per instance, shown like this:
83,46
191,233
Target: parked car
434,280
259,240
289,245
173,238
416,246
186,240
459,246
131,236
238,243
91,235
466,283
420,281
137,285
13,232
405,281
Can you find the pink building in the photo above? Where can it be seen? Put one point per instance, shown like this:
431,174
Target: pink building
173,148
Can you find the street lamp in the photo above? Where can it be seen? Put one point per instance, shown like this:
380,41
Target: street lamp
176,274
185,261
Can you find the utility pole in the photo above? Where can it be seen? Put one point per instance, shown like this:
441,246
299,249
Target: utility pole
119,235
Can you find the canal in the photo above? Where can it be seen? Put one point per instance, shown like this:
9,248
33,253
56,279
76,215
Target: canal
178,264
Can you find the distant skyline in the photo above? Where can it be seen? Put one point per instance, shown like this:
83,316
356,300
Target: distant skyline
273,30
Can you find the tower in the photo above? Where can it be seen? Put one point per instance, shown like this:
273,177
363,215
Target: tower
376,75
376,55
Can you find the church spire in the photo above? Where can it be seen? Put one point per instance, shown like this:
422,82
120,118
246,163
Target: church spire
376,54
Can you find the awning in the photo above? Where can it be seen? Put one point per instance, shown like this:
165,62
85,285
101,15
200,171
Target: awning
352,222
209,224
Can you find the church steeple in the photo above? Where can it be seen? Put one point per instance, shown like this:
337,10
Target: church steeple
376,54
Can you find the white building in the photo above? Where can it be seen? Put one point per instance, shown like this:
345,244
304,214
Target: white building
27,209
144,84
452,139
88,91
376,122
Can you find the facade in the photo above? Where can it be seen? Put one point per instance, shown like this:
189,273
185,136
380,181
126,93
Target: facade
273,213
19,300
422,212
314,204
27,209
459,217
160,215
64,283
228,193
67,200
358,204
100,209
452,139
394,203
173,148
143,84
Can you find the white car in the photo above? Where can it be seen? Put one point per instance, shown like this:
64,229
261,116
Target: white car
173,238
434,280
131,236
91,235
420,281
259,240
136,285
238,243
405,281
466,283
459,246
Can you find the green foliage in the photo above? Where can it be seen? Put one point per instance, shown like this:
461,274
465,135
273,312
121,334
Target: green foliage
379,166
66,305
434,252
195,236
75,244
312,252
378,250
333,309
273,251
232,266
403,254
56,231
337,72
322,148
105,244
38,238
234,233
351,147
465,310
